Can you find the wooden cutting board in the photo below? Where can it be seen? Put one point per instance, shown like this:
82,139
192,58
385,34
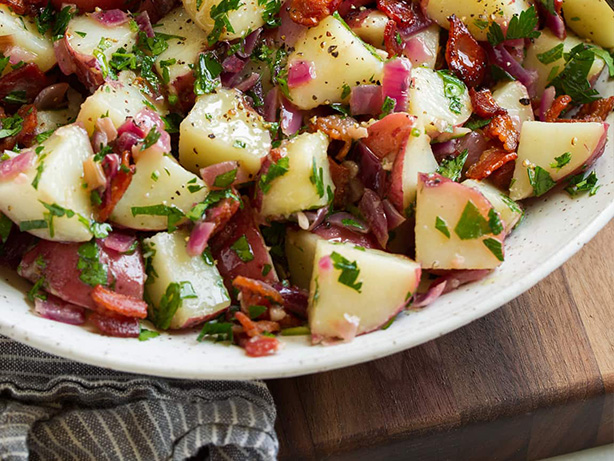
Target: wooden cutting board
533,379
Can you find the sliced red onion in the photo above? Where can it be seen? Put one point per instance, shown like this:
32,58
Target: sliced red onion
349,221
210,174
290,117
546,103
475,143
556,24
249,44
199,237
52,97
111,18
501,57
289,31
300,73
126,141
393,217
370,171
14,166
110,164
343,234
17,54
145,24
416,51
120,326
432,294
441,150
395,84
54,308
456,278
295,299
139,127
233,64
372,209
271,104
247,83
366,100
316,217
117,241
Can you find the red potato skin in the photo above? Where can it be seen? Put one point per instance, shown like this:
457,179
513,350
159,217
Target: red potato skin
62,276
90,5
387,136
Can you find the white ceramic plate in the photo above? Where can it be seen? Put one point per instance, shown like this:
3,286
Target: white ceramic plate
555,228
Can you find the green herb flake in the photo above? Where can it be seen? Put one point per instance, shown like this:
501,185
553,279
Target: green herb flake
345,91
224,180
266,269
151,138
295,331
317,177
452,168
216,331
256,311
472,224
35,291
92,271
174,214
11,126
146,335
352,223
243,249
239,144
18,97
387,107
561,161
578,184
552,55
34,224
442,227
475,123
206,73
453,89
171,301
349,271
221,23
494,222
275,170
540,180
5,227
495,247
520,26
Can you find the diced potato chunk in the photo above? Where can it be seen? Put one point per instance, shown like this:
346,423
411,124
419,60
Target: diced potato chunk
591,19
514,97
242,20
428,101
21,32
159,180
511,213
116,100
300,251
58,169
340,60
172,264
184,50
546,42
347,296
222,127
371,28
541,143
475,12
85,34
456,226
307,184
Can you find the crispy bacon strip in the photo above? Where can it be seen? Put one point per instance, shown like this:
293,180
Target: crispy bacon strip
344,129
27,79
22,7
221,213
341,178
252,328
310,12
25,138
502,178
256,292
261,346
465,57
490,161
558,106
596,111
484,105
393,47
502,127
118,303
119,185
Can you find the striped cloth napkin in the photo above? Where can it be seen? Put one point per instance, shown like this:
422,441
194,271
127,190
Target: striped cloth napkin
55,409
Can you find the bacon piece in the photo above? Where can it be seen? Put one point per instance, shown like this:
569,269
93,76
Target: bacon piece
310,12
391,42
484,105
502,178
117,188
490,161
558,106
252,328
261,346
341,178
109,300
596,111
502,128
29,7
116,325
25,138
344,129
387,136
255,292
465,57
27,79
222,212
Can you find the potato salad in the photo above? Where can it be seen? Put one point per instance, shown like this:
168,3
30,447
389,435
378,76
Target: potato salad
251,170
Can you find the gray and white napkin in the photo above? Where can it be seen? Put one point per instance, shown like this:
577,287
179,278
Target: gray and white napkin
55,409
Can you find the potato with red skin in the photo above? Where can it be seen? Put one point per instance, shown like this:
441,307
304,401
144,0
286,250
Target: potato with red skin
90,5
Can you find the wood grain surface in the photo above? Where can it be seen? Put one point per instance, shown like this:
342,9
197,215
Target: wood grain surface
533,379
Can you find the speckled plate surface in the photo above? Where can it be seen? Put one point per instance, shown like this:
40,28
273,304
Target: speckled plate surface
555,228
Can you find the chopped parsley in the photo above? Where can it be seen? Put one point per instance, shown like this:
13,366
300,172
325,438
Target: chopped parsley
552,55
11,126
43,136
494,222
215,196
206,73
173,213
62,19
578,184
256,311
442,227
266,269
92,271
224,180
276,62
472,224
453,89
475,123
5,227
151,138
217,331
453,167
171,301
495,247
39,171
561,161
352,223
387,107
345,91
522,26
53,211
34,224
295,331
349,271
317,177
243,249
35,291
270,13
17,97
275,170
145,334
221,23
540,180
